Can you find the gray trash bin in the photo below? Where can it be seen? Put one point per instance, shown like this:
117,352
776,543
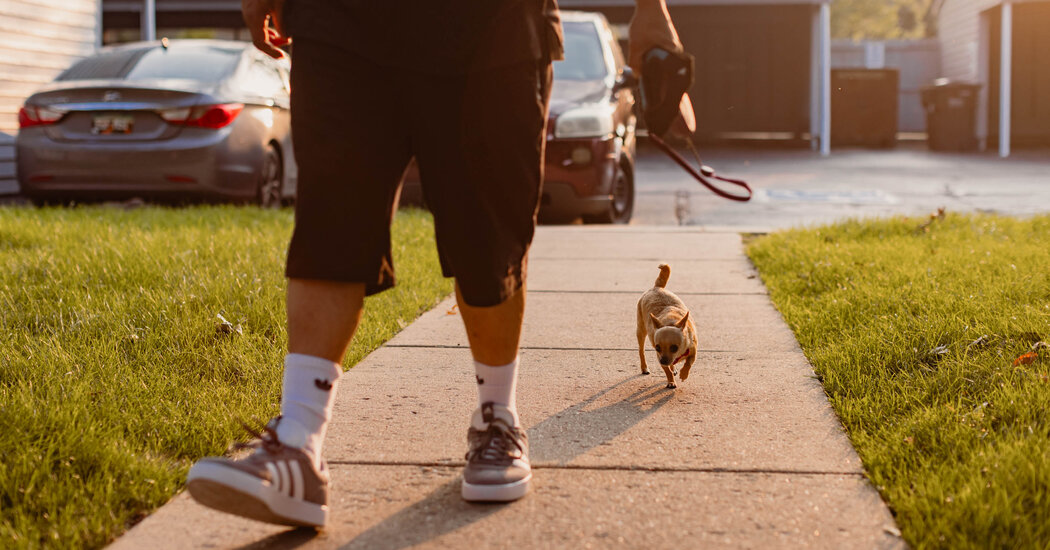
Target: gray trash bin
951,115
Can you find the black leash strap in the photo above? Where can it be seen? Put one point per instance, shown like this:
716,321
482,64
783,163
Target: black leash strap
704,172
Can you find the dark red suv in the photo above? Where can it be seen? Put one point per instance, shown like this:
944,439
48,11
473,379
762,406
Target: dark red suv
591,132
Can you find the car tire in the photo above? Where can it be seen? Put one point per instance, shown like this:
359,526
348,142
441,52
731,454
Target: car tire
622,205
271,180
40,201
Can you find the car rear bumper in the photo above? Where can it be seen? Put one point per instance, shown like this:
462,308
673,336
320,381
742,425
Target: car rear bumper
197,163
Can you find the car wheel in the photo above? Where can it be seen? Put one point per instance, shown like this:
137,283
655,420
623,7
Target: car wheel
271,180
622,205
43,201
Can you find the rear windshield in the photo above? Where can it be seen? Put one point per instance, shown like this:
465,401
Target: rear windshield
584,58
201,63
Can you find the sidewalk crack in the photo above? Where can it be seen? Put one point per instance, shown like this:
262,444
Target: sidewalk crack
617,468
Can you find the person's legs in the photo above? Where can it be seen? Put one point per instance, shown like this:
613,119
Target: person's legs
497,463
322,318
494,334
480,161
351,148
351,154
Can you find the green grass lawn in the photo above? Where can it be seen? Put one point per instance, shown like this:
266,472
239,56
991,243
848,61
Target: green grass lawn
113,375
914,334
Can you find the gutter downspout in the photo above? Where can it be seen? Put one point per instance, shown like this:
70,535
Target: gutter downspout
825,78
814,80
1005,76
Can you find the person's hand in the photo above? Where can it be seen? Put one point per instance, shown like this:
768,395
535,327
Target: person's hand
257,14
651,27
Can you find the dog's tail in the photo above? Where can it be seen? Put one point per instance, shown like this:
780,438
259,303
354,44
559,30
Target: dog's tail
665,273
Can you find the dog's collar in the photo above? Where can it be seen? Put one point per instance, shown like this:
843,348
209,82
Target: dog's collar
680,357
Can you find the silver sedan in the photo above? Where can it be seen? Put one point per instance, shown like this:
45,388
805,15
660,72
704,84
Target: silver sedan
168,120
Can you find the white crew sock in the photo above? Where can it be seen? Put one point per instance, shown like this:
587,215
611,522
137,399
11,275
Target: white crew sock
306,402
497,385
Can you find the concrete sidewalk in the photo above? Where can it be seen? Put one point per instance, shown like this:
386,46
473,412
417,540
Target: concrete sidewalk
746,453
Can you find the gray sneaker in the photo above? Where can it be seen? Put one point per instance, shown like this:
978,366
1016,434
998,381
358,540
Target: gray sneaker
497,467
275,484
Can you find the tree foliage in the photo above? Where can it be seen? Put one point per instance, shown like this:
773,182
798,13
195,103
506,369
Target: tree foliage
884,19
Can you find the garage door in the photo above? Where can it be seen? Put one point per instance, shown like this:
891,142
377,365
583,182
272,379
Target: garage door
1030,100
1031,97
752,67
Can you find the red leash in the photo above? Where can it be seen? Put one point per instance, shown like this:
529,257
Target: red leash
705,171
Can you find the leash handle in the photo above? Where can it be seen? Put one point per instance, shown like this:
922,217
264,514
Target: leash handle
704,171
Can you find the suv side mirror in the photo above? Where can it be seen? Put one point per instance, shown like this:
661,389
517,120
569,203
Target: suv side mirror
626,79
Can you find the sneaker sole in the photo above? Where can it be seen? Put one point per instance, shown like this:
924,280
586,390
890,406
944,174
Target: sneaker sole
235,492
496,493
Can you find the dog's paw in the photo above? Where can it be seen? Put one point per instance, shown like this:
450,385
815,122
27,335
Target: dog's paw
685,374
645,373
671,386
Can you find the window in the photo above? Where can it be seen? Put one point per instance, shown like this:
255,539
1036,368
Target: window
205,63
111,64
263,79
584,57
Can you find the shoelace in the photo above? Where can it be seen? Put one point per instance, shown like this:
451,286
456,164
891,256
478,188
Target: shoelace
267,439
498,445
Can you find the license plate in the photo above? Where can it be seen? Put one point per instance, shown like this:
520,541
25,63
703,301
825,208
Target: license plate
112,124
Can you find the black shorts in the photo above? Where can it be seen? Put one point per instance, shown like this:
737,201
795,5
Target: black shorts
478,139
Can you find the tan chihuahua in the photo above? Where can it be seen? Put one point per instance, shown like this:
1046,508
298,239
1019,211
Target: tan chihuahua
663,317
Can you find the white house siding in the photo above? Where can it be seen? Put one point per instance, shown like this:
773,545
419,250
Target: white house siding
958,33
38,39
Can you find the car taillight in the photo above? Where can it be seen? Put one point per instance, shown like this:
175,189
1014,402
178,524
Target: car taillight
204,116
37,116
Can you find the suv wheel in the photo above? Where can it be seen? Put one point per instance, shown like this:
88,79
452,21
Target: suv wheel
622,205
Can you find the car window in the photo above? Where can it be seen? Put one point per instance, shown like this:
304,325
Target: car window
262,79
202,63
193,62
110,64
584,57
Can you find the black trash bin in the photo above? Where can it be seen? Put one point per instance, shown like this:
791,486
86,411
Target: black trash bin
951,115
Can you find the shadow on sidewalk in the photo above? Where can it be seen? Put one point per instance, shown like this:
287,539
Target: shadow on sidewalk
442,511
560,438
576,430
292,538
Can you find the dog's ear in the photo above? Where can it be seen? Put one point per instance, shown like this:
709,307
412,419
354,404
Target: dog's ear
681,324
656,322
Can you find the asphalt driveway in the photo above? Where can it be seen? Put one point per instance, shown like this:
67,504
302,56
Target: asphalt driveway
799,187
795,187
